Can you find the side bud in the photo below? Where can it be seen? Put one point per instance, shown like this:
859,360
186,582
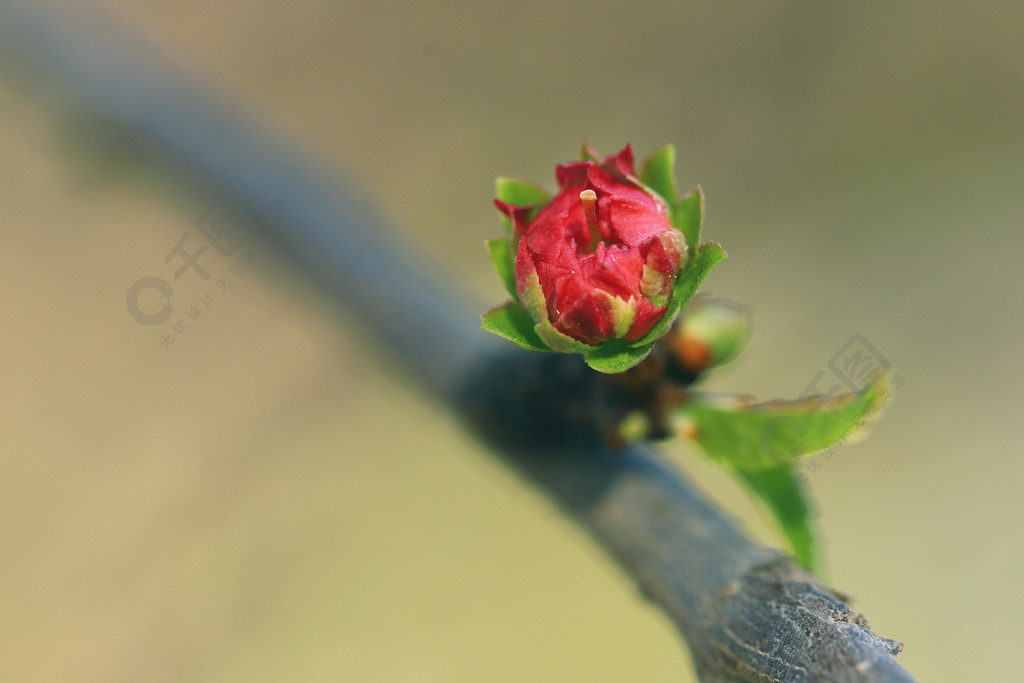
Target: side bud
711,333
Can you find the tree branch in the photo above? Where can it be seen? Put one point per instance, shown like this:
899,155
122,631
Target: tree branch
747,612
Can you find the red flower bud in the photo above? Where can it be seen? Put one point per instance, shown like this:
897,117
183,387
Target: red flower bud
604,267
600,260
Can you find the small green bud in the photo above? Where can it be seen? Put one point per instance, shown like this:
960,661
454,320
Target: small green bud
711,333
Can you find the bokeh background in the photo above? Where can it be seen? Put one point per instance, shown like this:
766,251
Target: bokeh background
267,499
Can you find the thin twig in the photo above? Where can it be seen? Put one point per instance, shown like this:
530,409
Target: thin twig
747,612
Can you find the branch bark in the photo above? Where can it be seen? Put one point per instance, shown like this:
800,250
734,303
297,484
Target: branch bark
747,612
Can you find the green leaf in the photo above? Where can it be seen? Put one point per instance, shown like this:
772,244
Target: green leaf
688,215
688,282
757,436
657,173
511,322
780,489
616,356
761,441
501,257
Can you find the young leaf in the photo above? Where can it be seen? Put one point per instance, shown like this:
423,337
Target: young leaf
782,493
511,322
688,215
501,257
657,173
763,435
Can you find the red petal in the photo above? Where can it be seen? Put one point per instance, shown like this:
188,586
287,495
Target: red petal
564,292
647,314
520,216
624,160
548,238
618,270
589,319
525,268
635,218
572,174
564,218
662,253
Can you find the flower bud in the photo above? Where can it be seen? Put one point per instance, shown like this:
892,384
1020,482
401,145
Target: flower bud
711,333
598,268
599,261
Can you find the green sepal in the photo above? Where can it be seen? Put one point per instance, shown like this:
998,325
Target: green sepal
687,283
616,356
758,436
511,322
781,490
688,215
559,341
588,153
518,192
657,173
501,256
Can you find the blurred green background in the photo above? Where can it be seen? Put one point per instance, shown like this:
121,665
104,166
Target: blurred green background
259,502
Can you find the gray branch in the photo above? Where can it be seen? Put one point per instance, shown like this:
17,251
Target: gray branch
747,612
